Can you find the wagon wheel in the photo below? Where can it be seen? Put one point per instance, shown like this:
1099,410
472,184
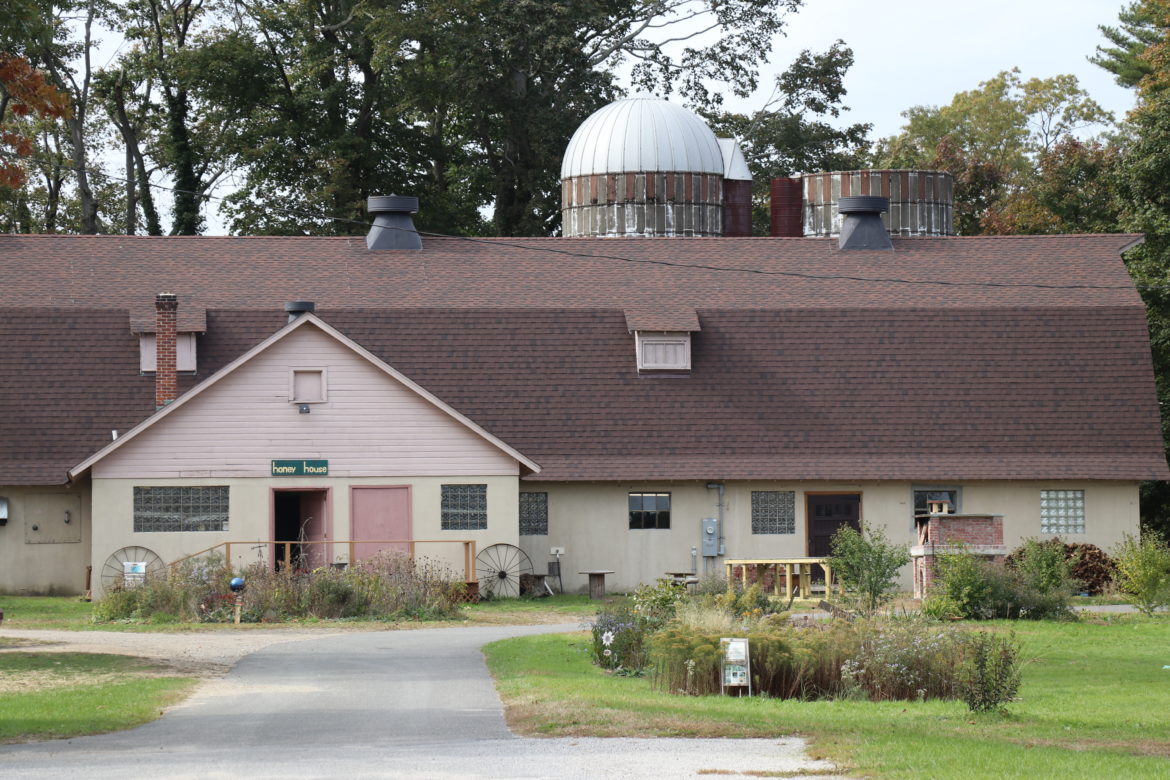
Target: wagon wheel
499,569
114,570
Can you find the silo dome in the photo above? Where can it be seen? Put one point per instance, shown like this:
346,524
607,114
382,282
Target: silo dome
642,133
642,166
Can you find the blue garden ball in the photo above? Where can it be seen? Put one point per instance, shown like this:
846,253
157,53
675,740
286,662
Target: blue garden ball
237,584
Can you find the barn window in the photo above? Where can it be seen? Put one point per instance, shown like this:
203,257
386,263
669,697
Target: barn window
773,512
464,508
1062,511
181,508
649,510
534,514
666,351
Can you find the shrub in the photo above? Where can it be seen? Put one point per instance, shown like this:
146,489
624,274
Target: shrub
873,659
619,640
990,674
388,587
1143,571
656,603
1037,587
868,565
1089,566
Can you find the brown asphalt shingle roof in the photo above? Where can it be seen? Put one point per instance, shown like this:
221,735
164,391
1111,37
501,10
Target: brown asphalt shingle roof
793,377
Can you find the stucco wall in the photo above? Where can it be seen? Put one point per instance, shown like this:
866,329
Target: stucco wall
591,521
50,560
250,507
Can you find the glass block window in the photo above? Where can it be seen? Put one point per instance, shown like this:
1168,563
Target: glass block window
534,514
773,512
1062,511
464,508
181,508
649,510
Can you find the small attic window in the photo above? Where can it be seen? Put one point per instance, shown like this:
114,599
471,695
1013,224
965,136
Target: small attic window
664,351
184,349
307,386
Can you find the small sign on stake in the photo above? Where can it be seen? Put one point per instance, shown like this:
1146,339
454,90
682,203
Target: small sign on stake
736,666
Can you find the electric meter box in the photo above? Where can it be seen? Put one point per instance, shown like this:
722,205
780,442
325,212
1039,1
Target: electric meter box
736,662
710,537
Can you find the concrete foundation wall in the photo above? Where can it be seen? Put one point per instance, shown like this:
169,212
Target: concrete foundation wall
40,553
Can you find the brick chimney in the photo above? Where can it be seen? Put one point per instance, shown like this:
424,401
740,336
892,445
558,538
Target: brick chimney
166,374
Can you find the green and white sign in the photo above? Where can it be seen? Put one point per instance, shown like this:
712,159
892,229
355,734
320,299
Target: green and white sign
300,468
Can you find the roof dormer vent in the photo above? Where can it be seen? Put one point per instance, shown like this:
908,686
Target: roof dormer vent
393,227
861,226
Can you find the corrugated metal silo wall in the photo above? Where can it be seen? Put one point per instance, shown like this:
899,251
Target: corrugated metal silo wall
642,204
921,202
787,207
737,208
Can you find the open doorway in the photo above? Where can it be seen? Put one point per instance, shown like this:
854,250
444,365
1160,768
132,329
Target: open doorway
300,528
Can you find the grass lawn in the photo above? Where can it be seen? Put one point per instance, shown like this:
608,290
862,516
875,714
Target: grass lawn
1094,702
55,695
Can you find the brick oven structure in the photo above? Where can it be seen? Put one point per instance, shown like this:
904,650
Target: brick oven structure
941,532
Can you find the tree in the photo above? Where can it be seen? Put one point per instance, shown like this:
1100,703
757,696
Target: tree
990,138
1143,25
1074,190
867,564
790,135
23,93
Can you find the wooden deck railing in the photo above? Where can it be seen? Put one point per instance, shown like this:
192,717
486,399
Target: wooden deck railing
282,551
796,573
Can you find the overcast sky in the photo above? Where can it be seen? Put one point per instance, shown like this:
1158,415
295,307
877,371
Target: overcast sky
921,52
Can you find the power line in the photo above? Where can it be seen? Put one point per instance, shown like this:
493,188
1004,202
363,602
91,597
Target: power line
497,242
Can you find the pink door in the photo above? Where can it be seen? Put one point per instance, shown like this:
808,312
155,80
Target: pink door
379,515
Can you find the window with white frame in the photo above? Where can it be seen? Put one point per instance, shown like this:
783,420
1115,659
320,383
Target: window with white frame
181,508
773,512
664,351
1062,512
534,514
464,508
649,510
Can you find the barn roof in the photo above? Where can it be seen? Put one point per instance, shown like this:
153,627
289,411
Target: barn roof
950,358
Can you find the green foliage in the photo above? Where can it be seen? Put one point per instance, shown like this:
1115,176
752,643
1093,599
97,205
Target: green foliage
387,587
1037,587
990,675
793,133
867,565
620,640
656,603
1143,571
990,139
1139,30
879,660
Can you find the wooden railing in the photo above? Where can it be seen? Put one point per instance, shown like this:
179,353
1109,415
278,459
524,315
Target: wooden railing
283,551
796,573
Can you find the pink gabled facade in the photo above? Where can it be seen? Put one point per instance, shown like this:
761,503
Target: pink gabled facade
370,424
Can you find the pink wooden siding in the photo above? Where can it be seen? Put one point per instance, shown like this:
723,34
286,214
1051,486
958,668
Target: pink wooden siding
371,425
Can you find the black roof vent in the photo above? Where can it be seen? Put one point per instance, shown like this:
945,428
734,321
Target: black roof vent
295,309
861,226
393,228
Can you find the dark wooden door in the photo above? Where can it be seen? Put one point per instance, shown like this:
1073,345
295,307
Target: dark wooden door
826,514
